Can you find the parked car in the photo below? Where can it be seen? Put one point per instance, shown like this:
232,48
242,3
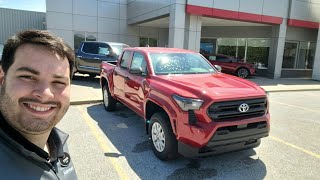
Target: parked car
188,107
232,65
91,53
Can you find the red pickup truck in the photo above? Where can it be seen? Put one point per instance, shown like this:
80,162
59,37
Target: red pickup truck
189,107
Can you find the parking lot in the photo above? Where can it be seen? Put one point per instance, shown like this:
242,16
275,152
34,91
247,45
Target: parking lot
114,145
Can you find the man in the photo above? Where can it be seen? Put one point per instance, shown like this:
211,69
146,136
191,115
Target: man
35,78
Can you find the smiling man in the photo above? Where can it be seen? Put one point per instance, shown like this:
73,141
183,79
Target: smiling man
35,82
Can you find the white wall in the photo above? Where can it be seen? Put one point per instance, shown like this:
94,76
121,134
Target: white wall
107,19
142,10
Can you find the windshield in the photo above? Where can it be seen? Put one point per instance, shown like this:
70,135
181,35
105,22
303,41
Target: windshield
179,63
117,48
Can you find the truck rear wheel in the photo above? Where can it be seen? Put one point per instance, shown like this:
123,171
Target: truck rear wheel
164,143
108,101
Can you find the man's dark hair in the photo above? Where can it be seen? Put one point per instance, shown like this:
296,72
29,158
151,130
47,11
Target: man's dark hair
36,37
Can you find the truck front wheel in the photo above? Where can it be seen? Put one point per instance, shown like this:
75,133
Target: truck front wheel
164,143
108,101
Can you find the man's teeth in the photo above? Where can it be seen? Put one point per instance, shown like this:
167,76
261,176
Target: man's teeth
37,108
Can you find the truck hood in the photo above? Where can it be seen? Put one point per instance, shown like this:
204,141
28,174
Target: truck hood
216,86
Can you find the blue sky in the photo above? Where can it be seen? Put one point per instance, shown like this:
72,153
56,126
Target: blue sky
29,5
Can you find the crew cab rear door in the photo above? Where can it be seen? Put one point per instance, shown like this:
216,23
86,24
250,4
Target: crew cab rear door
136,85
91,56
120,74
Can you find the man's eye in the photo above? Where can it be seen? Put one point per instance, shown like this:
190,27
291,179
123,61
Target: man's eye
27,77
60,83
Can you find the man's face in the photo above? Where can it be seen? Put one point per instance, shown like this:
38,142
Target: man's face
35,91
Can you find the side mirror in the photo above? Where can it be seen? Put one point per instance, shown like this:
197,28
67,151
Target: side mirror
137,71
218,68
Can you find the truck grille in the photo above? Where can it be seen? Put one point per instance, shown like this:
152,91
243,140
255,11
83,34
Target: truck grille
229,110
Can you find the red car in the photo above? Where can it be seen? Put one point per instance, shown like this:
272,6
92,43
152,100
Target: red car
232,65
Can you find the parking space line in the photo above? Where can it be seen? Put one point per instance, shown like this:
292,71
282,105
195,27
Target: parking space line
102,143
290,105
296,147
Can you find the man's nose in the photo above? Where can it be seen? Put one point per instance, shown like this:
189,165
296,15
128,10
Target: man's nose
43,91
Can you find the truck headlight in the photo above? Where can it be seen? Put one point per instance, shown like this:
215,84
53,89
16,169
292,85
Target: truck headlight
187,103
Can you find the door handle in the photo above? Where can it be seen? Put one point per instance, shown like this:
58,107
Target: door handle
127,78
79,56
96,58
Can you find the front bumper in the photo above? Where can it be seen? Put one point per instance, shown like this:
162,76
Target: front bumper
227,139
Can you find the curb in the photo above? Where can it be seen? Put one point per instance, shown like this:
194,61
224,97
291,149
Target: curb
291,90
85,102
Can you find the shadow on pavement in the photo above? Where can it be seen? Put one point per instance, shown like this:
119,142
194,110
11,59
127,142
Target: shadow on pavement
126,131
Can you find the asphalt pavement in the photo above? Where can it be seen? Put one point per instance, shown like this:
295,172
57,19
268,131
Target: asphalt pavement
86,90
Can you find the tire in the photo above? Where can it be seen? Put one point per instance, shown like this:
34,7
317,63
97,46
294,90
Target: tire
164,142
243,72
108,101
92,75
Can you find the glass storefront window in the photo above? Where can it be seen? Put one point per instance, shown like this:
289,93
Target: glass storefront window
258,52
148,42
289,54
91,37
83,36
208,46
311,54
303,55
1,50
78,38
241,48
298,55
251,50
227,46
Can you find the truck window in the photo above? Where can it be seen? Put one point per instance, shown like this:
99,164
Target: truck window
138,61
96,48
124,63
103,51
90,48
222,59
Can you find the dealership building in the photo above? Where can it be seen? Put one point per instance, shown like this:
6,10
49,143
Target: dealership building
279,36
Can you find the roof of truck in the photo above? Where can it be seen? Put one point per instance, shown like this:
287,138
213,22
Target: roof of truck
160,50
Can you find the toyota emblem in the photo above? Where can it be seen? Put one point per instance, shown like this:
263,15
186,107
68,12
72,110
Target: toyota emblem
244,107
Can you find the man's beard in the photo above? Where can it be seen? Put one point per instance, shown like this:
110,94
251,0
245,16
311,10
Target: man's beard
12,112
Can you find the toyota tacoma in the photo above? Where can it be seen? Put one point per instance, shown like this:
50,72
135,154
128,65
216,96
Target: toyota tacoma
189,107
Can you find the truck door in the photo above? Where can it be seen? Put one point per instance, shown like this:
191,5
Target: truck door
136,84
91,56
120,74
